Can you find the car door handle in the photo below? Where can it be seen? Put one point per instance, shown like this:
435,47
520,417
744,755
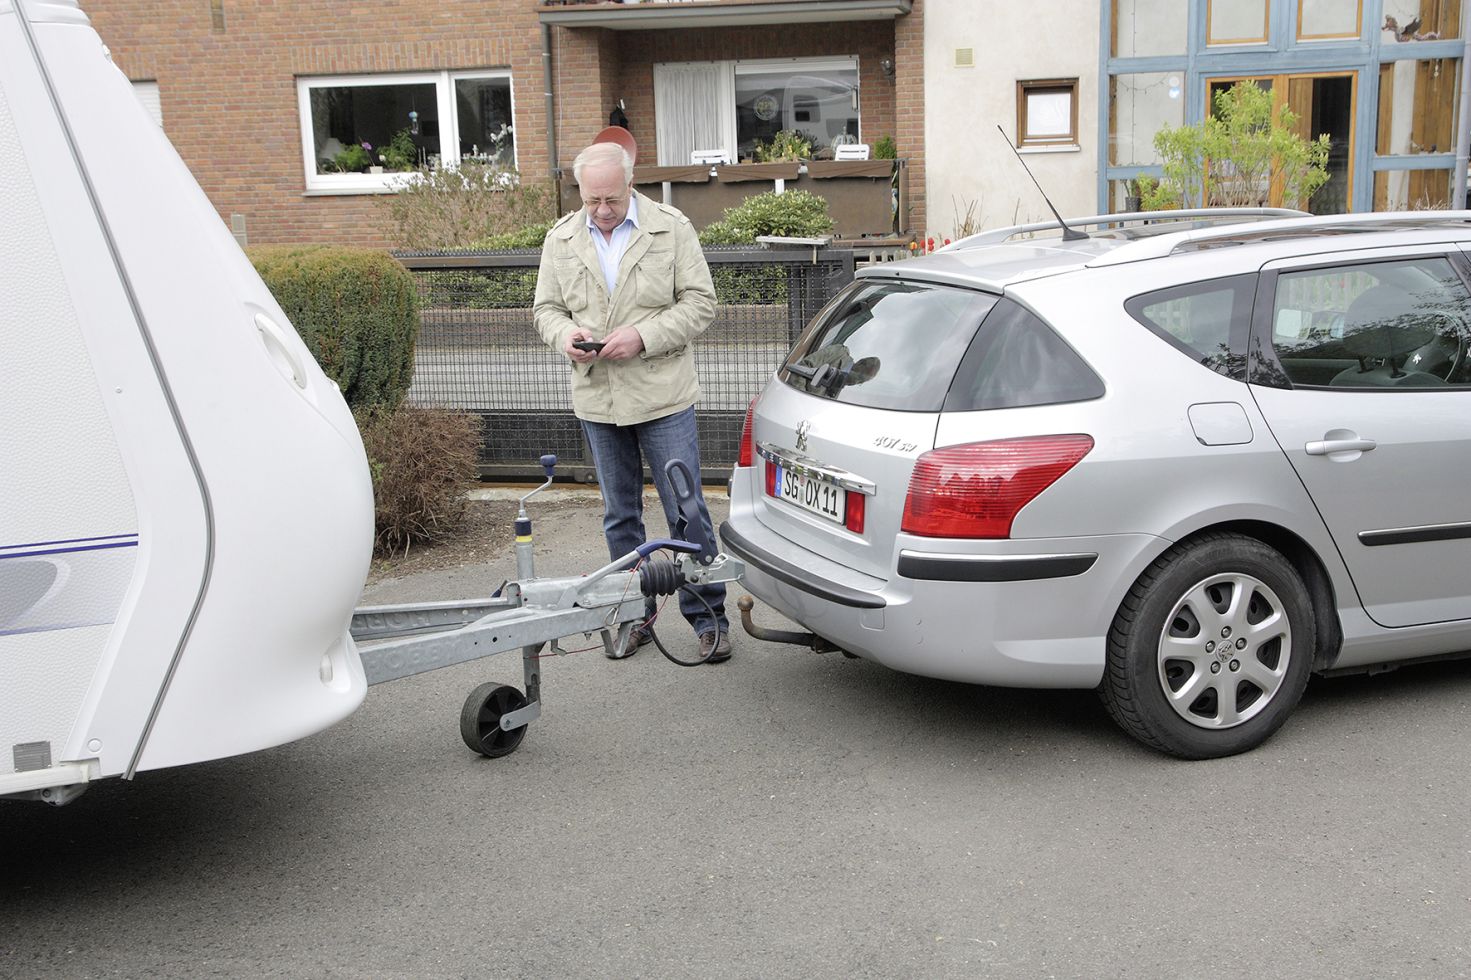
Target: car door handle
1327,447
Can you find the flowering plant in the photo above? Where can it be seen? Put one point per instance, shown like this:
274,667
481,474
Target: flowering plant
354,157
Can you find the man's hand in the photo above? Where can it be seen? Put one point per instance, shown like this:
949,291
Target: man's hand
580,356
622,344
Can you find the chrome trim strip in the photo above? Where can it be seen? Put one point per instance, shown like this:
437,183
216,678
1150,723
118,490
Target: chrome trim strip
1415,535
790,459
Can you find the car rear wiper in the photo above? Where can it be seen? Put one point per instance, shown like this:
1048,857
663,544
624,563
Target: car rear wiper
817,377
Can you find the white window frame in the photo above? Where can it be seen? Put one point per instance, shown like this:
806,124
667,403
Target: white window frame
388,183
774,65
759,66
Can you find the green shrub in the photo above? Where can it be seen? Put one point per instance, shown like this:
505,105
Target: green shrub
356,308
529,237
885,149
450,208
422,460
794,214
744,286
1246,153
472,289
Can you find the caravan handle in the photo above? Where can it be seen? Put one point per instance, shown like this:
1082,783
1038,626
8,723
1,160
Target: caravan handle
280,350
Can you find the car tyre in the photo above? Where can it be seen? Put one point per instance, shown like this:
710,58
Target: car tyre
1211,649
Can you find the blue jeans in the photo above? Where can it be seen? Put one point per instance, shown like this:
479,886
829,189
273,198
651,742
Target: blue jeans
619,453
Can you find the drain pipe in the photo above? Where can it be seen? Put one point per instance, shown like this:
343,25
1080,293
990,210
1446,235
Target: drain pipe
1463,123
546,81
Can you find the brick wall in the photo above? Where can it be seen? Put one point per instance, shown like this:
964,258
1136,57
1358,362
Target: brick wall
230,105
229,97
909,107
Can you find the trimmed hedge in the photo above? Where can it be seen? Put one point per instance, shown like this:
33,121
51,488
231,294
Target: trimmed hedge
793,214
356,308
531,236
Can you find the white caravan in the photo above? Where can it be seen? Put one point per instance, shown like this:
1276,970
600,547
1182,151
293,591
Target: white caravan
185,507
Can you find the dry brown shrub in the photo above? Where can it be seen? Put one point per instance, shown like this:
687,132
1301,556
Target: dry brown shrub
423,460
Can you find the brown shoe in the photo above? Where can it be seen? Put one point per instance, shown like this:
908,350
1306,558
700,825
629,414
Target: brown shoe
714,647
636,639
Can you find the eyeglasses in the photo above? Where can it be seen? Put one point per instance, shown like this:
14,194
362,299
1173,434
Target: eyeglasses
593,203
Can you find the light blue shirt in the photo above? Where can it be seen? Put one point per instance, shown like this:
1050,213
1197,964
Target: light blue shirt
610,251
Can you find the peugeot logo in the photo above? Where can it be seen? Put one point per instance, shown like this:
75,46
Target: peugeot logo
803,427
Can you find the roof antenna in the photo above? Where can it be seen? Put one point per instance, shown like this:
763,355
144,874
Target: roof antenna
1068,234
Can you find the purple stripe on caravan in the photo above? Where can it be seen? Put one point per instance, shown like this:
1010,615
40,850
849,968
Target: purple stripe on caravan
47,544
69,551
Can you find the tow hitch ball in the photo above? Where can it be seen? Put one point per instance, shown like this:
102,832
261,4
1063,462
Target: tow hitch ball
812,641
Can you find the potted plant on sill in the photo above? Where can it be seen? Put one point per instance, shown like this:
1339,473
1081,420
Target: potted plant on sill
400,154
354,158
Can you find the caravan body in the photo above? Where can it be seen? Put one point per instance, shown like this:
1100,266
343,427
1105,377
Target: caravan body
185,505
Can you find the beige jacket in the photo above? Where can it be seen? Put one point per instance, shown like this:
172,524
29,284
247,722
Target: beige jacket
664,290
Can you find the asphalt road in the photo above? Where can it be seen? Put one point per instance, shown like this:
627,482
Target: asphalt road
781,815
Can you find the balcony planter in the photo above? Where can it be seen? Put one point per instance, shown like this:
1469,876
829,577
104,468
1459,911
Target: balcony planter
739,172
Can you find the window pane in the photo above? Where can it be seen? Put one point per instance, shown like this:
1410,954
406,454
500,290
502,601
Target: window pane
1017,360
352,115
1143,28
821,105
1237,21
1207,321
888,345
1418,103
1140,106
483,107
1329,18
1406,21
1386,325
1412,190
1049,114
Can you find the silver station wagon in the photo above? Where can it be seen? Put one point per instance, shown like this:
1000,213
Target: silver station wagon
1187,459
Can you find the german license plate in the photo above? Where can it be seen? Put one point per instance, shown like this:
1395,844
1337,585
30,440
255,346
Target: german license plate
822,499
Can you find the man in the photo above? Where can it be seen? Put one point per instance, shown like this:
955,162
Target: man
628,271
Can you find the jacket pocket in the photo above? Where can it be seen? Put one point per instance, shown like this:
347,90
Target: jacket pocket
572,278
655,272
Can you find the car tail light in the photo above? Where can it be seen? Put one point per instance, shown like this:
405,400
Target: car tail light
770,477
747,453
976,490
853,520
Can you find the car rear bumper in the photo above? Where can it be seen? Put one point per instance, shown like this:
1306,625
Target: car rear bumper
1033,619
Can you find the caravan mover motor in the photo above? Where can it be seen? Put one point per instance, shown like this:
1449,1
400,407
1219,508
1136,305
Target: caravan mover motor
185,507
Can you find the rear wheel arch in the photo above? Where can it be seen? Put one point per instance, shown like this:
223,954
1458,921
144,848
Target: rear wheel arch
1314,575
1212,648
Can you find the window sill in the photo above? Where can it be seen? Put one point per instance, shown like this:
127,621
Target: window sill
346,191
1059,148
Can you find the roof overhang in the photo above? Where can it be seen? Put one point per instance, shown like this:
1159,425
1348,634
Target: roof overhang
656,14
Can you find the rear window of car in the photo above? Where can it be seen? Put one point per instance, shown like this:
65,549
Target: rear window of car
1208,321
887,344
1017,360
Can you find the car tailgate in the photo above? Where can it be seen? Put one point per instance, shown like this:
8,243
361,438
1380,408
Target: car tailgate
862,452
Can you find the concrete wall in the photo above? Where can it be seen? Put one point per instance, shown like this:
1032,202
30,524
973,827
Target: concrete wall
966,159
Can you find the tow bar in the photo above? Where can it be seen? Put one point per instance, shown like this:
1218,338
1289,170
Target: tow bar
530,613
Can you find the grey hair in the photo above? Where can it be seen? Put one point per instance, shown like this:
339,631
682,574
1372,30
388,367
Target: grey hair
600,155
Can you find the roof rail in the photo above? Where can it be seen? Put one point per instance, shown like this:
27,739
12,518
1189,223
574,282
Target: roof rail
1168,243
1228,215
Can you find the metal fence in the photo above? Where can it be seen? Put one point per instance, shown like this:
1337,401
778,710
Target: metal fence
479,351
